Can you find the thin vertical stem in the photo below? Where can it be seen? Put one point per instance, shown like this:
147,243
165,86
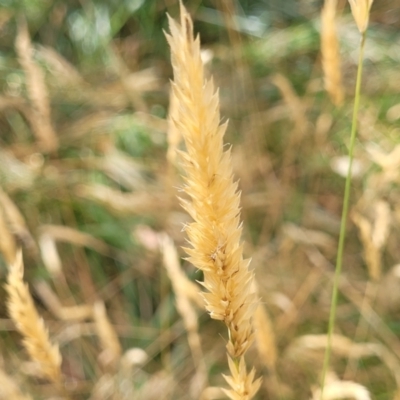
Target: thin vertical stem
346,201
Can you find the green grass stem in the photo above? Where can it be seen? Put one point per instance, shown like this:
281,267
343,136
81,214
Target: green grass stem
346,201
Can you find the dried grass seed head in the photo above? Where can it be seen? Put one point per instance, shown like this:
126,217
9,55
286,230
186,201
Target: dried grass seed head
213,203
360,10
215,233
28,322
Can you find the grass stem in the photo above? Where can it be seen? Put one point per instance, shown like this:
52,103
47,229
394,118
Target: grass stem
346,201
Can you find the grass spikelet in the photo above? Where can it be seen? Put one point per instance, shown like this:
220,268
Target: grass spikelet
37,91
360,10
331,53
243,385
215,233
31,326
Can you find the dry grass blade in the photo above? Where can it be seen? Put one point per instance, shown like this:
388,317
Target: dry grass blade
36,87
308,237
331,53
265,337
136,202
28,322
341,346
211,393
66,74
67,234
174,136
8,247
16,221
108,337
181,285
372,253
52,302
50,256
9,389
382,223
294,103
179,280
215,233
14,174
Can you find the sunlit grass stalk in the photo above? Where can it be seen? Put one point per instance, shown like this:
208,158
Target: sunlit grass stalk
346,201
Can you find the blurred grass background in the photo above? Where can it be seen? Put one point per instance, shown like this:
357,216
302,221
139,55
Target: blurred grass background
107,69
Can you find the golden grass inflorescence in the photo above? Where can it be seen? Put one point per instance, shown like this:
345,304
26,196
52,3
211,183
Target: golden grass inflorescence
331,53
31,326
360,10
215,234
39,114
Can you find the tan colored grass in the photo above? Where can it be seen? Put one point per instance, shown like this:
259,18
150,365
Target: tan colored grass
16,221
360,10
373,235
174,136
108,337
211,393
243,385
40,119
215,234
265,337
31,326
7,243
338,389
295,104
117,201
180,284
53,304
179,280
331,53
9,389
303,347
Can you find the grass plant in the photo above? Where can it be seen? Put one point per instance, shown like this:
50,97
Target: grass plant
360,10
106,306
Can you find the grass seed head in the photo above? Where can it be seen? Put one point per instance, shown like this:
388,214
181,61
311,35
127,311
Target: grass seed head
31,326
360,10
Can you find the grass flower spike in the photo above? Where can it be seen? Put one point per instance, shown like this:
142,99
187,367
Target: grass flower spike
360,10
31,326
215,233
